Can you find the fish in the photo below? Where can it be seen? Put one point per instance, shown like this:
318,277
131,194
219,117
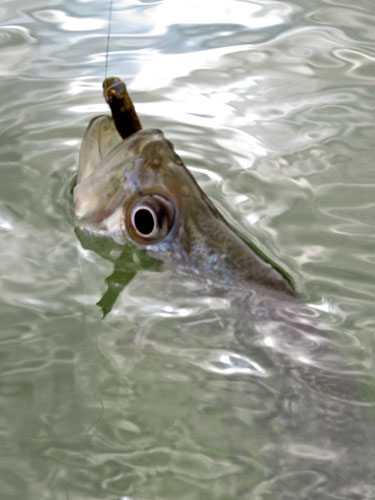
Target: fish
132,187
135,195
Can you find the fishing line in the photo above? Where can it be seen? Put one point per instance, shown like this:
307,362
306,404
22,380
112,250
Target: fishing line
108,37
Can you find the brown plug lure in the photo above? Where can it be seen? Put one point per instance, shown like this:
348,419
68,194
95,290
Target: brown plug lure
123,111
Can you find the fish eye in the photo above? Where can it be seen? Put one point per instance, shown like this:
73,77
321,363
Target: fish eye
150,218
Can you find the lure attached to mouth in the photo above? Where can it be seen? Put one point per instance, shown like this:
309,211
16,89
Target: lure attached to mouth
123,111
133,187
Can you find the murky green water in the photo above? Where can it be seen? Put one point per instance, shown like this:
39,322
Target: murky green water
177,394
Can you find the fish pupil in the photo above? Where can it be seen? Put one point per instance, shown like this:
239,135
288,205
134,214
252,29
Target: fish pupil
144,221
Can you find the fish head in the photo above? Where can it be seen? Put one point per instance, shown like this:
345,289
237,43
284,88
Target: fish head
137,189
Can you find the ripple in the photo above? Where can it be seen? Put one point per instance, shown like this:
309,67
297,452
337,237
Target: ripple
314,452
306,484
17,49
227,363
353,18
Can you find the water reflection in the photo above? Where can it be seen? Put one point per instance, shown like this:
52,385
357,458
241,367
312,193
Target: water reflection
227,363
69,23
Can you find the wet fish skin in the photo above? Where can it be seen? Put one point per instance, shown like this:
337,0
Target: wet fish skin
145,164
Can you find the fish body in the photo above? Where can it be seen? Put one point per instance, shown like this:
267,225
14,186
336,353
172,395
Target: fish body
133,189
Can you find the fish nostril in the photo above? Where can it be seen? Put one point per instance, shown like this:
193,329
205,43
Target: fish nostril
144,221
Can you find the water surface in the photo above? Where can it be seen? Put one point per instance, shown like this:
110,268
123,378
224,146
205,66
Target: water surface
177,394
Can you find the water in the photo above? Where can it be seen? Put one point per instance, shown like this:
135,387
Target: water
177,394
